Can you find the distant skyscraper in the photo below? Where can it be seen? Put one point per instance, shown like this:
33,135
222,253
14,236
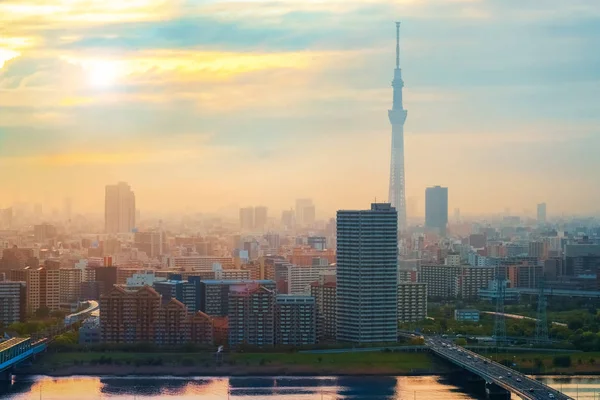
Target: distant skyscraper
119,208
287,218
397,116
436,208
305,211
541,213
260,217
367,274
68,208
247,218
309,215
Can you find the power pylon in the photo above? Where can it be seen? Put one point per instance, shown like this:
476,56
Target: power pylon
499,322
541,325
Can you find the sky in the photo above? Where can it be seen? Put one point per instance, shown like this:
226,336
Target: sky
213,104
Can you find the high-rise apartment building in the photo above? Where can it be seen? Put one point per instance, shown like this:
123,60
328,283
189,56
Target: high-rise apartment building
436,208
260,218
70,284
42,287
538,250
412,301
441,280
471,279
32,279
13,298
50,289
325,294
185,292
214,294
251,315
541,213
152,243
295,320
299,278
367,277
119,208
247,218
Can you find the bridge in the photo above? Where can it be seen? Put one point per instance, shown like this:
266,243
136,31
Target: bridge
492,372
559,292
15,351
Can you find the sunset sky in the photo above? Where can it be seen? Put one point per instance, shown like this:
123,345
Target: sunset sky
204,104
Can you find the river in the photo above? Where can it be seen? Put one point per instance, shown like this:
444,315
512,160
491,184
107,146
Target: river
275,388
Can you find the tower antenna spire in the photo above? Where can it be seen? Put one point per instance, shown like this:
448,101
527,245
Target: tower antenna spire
397,44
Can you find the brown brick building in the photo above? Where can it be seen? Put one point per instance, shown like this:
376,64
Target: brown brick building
136,316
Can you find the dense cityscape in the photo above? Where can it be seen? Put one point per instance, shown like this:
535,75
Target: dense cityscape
493,300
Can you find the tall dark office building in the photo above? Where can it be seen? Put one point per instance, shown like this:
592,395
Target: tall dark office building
367,274
436,208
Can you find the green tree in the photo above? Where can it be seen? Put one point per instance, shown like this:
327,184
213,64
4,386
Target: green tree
561,361
42,312
417,341
539,364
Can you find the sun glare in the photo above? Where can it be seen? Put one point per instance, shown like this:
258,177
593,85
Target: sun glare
103,73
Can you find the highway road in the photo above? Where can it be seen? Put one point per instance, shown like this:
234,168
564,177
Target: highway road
509,379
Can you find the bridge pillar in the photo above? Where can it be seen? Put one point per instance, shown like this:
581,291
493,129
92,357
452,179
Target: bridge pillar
6,376
495,392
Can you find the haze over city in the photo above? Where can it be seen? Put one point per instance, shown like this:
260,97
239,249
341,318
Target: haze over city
206,105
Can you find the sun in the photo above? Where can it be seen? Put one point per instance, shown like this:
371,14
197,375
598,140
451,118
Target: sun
102,73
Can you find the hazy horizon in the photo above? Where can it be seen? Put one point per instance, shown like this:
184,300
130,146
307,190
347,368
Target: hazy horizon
198,105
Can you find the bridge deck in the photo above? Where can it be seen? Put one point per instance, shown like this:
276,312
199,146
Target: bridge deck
492,372
15,350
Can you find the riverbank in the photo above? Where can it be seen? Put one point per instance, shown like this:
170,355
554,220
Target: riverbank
297,364
239,364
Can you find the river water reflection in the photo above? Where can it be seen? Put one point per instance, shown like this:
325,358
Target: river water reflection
270,388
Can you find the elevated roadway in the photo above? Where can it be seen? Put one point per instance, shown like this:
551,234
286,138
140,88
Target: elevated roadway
503,376
93,306
560,292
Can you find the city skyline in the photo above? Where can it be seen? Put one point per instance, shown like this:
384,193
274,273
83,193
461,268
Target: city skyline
190,116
